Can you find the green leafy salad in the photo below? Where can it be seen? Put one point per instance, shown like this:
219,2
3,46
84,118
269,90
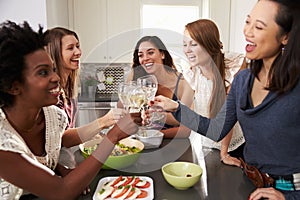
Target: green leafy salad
119,150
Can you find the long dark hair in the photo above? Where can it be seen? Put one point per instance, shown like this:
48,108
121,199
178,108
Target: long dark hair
167,61
285,71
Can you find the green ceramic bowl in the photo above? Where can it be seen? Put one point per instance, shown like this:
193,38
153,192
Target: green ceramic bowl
116,162
182,175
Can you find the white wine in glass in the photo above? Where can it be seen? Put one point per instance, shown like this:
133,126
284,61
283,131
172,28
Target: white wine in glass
149,85
138,99
124,93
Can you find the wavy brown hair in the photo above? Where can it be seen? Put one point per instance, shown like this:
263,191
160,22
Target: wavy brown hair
52,39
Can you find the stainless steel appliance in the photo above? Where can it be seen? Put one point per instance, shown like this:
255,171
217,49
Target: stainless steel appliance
89,111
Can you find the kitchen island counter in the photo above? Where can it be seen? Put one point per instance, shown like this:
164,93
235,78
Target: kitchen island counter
218,181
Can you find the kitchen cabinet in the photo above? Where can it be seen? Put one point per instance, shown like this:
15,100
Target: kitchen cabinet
239,12
56,13
230,17
108,29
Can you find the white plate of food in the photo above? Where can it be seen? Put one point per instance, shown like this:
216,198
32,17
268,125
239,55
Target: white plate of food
124,187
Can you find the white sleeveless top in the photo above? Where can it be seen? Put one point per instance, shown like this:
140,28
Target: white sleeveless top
203,91
10,140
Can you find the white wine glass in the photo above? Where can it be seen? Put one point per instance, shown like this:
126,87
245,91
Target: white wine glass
124,90
138,99
149,84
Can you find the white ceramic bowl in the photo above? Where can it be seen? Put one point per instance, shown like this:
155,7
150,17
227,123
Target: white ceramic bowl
151,138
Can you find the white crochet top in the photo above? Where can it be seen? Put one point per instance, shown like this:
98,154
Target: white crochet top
10,140
203,91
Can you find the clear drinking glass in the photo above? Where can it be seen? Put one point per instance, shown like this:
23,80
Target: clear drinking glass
138,99
124,93
149,84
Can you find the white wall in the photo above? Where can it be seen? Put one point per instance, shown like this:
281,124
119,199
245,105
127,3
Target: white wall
219,12
239,11
33,11
230,15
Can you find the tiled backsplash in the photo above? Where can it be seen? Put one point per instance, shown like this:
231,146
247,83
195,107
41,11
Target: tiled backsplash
104,77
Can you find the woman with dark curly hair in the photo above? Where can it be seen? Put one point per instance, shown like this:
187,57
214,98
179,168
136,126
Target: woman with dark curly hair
32,128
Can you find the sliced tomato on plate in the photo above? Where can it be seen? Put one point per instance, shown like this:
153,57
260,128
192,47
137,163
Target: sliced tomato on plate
136,181
123,192
117,180
105,192
131,193
143,184
128,181
143,194
125,187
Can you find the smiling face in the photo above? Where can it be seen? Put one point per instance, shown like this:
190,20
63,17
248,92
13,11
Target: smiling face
150,57
194,52
71,52
41,85
262,33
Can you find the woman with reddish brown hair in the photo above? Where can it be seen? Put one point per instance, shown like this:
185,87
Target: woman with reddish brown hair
264,99
207,76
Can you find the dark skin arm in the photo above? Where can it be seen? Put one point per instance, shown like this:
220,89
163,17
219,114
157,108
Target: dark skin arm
45,183
61,170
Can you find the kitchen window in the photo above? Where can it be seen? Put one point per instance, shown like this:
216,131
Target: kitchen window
170,17
167,19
